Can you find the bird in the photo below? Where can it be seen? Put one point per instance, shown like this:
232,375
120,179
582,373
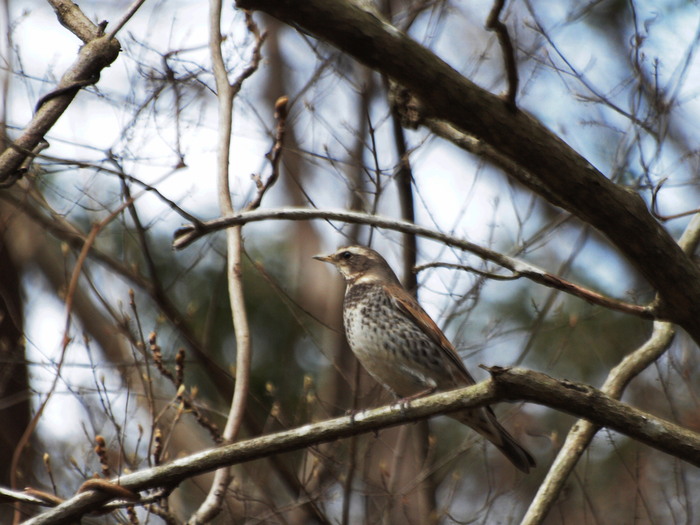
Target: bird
402,348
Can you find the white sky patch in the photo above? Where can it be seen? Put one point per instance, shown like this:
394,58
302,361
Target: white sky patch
44,321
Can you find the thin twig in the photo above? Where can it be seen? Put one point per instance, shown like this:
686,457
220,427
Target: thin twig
274,155
70,294
470,269
655,211
189,234
256,57
493,23
131,11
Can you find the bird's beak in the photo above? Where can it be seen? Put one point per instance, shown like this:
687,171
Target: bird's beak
323,258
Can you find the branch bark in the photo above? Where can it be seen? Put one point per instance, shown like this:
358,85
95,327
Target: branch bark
582,432
98,52
578,187
594,405
505,384
234,247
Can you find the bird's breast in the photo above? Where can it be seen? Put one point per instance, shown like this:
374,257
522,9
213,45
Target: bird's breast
391,348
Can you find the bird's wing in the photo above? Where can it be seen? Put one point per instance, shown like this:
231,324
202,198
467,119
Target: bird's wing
407,304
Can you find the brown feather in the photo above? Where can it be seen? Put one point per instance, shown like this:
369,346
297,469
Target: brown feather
408,305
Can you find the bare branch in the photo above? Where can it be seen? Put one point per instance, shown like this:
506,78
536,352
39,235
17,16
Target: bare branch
234,248
493,23
558,283
274,155
70,295
72,18
505,384
188,234
594,405
582,433
616,211
97,53
256,57
654,204
125,18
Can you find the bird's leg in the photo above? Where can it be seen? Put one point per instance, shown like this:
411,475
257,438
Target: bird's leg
426,392
404,401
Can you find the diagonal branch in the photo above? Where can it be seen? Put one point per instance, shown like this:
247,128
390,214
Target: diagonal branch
581,434
72,18
505,384
98,53
578,187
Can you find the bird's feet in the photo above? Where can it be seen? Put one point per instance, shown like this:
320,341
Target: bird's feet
404,402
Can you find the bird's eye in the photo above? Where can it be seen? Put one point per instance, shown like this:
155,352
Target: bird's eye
345,255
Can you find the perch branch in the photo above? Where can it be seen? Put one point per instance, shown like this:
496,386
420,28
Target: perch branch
505,384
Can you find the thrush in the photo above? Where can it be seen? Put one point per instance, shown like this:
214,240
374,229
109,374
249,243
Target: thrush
402,348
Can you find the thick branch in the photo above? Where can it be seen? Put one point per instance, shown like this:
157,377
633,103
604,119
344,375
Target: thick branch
594,405
581,434
505,384
287,441
579,188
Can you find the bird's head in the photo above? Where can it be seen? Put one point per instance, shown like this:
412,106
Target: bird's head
359,264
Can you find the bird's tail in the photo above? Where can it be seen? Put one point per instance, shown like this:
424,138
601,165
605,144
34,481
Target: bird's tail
485,423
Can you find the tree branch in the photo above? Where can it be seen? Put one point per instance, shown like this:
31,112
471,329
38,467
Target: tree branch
581,433
617,212
72,18
98,52
226,92
505,384
556,282
589,403
493,23
188,234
